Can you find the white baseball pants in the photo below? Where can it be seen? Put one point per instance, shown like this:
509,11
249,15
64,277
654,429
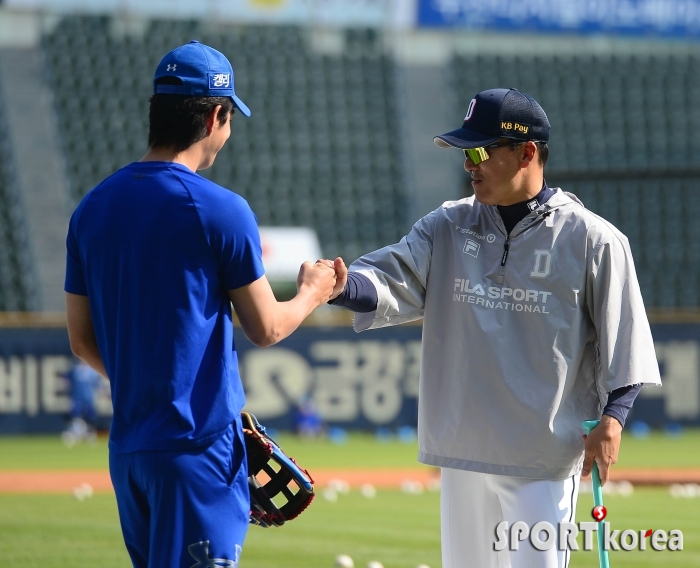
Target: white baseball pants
472,505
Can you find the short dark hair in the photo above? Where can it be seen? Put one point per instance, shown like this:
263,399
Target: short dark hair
543,149
178,121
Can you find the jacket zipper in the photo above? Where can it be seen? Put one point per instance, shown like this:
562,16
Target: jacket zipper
504,258
506,246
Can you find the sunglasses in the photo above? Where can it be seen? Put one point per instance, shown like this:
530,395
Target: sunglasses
478,155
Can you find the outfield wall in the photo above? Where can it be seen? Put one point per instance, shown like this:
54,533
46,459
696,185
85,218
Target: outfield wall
366,380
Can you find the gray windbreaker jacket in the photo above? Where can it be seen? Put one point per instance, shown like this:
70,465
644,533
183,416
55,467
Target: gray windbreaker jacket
523,336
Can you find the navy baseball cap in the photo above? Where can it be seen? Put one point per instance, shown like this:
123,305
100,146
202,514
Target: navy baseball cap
496,114
204,72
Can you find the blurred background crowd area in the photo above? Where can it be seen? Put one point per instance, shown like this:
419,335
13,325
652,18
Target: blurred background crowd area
346,98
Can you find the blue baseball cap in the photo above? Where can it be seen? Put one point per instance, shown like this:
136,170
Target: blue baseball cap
204,72
496,114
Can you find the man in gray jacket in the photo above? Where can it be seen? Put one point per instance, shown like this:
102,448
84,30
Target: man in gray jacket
533,321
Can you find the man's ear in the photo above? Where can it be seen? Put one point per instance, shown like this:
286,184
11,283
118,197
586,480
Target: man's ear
213,119
529,153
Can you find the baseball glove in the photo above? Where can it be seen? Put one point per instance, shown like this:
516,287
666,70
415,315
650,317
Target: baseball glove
272,475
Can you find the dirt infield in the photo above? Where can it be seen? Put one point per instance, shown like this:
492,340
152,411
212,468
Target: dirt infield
67,481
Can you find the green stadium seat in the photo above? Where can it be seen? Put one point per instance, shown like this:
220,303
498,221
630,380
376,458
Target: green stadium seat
622,113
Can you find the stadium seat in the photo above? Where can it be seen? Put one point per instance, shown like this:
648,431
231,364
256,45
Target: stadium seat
17,292
622,113
318,120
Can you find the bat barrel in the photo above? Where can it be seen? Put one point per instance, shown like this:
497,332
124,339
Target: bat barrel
603,558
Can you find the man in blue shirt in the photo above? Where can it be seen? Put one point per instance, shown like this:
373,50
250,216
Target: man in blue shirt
156,256
84,385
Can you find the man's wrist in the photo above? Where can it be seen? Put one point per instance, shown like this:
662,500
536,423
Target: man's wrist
610,420
308,296
334,296
358,295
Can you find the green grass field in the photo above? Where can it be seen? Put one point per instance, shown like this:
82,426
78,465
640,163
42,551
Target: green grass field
397,529
361,451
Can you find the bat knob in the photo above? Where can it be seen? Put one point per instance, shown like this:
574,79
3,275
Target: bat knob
588,425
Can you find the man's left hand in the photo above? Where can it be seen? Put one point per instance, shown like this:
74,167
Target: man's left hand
602,445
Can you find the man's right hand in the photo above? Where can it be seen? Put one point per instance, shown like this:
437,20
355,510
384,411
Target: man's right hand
341,277
264,320
318,280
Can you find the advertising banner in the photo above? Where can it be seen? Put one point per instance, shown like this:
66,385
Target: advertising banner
354,381
34,388
372,13
674,18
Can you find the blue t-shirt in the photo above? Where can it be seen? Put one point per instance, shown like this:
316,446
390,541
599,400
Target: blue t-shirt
155,247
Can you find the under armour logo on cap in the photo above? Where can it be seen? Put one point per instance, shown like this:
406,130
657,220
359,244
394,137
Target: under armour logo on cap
202,72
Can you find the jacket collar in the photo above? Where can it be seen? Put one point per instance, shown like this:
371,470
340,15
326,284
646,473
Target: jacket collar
559,199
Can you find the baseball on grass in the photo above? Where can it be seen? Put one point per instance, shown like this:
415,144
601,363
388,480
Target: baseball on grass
422,566
368,491
374,564
344,561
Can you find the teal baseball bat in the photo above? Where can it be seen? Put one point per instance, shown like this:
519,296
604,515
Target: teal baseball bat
603,558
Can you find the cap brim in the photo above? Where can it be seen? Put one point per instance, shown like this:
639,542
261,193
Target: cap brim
463,138
240,105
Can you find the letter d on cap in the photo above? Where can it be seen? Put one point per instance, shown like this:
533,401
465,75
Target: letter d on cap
470,110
